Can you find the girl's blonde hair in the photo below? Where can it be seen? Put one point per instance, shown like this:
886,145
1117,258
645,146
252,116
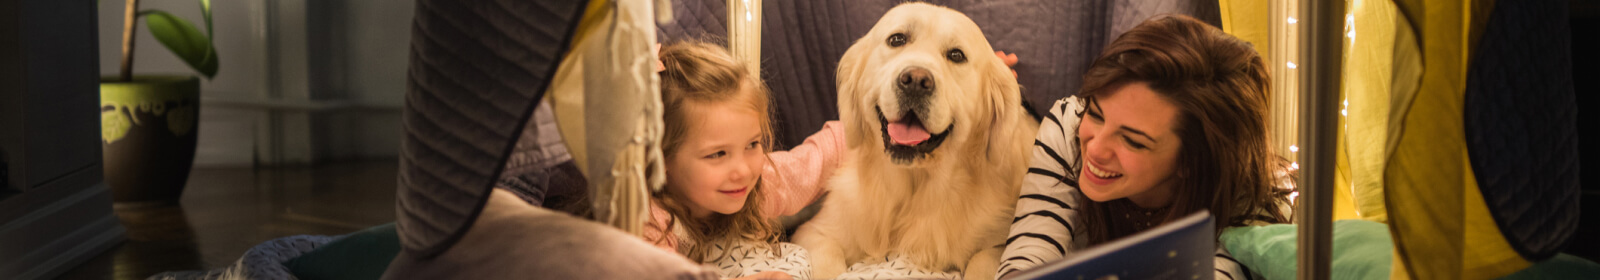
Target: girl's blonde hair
698,74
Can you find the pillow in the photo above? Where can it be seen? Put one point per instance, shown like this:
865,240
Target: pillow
1361,249
364,254
514,240
1562,266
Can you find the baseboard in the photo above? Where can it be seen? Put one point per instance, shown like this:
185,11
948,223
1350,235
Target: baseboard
53,239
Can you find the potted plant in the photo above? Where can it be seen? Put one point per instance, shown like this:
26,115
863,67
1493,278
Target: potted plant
149,123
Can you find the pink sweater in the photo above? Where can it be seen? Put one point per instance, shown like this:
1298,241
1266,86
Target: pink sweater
804,172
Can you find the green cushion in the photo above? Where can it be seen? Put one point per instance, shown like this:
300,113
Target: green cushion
1361,249
1562,266
361,255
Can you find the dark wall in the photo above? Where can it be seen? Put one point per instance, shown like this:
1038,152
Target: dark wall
1585,23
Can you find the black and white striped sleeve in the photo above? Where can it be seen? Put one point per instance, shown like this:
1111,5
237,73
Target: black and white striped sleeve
1228,268
1043,229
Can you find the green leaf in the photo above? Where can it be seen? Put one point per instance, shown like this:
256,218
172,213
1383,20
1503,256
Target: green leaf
211,54
184,40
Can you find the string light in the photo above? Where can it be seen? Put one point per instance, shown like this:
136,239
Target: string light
1292,65
747,16
1294,149
1350,25
1292,20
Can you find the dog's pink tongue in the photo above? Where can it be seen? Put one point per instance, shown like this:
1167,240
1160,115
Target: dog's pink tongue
909,135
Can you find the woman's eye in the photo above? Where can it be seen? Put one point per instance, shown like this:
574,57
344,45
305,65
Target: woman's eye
753,145
1093,115
1133,144
716,155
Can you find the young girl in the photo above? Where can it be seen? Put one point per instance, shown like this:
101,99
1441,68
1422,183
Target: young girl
1171,120
723,196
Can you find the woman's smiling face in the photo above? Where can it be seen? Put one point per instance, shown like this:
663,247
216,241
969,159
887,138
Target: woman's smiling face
1130,146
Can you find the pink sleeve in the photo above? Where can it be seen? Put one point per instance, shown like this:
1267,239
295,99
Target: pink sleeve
795,178
656,232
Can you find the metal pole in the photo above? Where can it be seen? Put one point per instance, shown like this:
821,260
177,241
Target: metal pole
1322,49
744,32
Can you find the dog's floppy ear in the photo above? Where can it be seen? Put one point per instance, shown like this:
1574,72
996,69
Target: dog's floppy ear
1004,95
856,118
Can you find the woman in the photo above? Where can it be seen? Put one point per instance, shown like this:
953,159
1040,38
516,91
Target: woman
1171,120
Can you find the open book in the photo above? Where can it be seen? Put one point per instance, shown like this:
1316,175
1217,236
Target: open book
1181,249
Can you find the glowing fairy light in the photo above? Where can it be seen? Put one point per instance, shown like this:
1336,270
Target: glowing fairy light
1294,149
747,16
1350,26
1292,65
1292,20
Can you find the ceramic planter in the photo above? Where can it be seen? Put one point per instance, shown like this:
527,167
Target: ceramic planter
148,129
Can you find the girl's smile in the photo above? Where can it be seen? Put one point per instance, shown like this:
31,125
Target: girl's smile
737,192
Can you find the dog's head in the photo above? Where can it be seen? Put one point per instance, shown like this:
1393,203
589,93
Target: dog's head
924,84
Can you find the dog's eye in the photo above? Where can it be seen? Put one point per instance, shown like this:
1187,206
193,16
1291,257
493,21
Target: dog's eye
956,56
897,39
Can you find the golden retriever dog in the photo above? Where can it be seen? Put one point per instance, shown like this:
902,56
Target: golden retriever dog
937,148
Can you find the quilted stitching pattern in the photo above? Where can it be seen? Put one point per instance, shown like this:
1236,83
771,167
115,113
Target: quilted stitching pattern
695,19
1521,119
264,261
476,70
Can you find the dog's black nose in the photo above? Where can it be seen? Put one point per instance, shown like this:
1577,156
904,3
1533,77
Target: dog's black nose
916,80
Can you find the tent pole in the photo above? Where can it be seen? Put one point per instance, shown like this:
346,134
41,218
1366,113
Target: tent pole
744,32
1322,51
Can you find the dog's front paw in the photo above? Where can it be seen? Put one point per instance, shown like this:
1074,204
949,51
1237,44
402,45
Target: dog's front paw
983,265
827,259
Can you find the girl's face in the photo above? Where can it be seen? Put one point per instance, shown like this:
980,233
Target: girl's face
720,160
1130,147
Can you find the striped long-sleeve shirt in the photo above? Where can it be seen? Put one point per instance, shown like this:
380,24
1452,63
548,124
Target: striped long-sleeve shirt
1047,224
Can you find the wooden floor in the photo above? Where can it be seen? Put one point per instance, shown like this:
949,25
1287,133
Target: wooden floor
225,211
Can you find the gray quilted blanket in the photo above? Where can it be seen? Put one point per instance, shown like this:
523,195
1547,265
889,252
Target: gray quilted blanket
264,261
802,41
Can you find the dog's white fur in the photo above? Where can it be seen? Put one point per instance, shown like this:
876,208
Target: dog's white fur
952,208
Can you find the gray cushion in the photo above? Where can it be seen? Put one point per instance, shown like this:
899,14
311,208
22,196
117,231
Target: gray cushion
514,240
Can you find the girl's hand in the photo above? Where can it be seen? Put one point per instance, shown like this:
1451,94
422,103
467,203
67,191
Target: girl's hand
1009,59
764,275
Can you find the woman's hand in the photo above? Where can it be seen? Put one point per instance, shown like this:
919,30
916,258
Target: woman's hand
764,275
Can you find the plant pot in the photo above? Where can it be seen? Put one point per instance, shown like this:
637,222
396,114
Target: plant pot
148,131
